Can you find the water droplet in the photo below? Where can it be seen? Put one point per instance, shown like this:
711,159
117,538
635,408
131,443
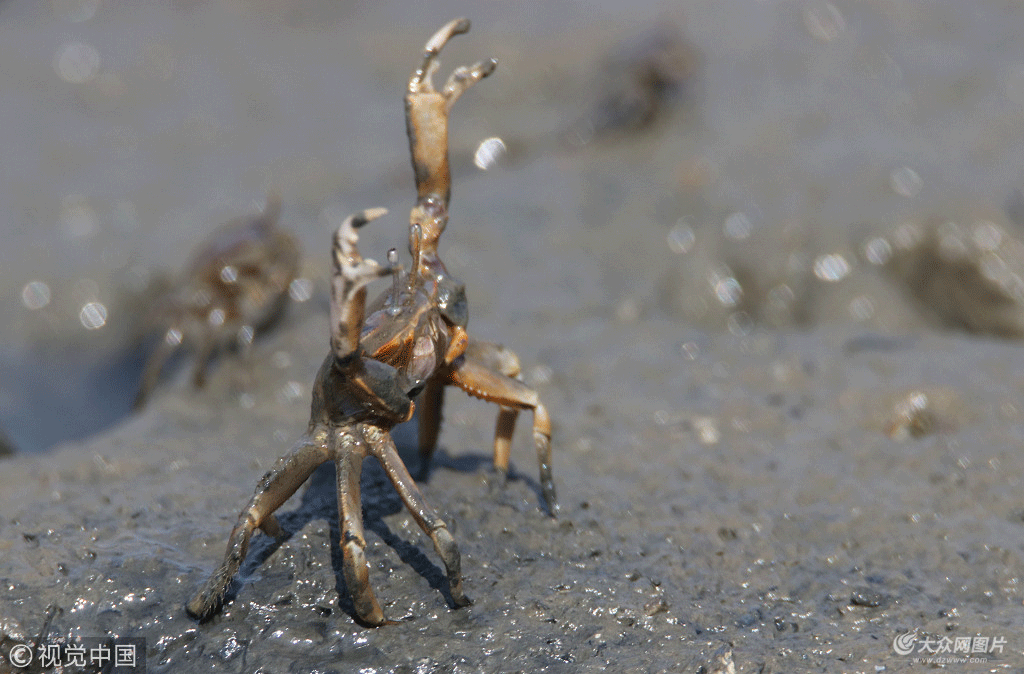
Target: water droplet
489,153
216,317
737,227
707,430
125,216
689,350
908,235
93,315
877,250
77,218
681,237
726,288
627,311
831,267
539,375
740,324
228,273
781,297
993,267
953,244
173,337
77,62
35,295
905,181
246,334
300,289
988,236
823,21
862,308
290,392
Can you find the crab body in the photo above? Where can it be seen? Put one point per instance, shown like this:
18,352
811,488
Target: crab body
235,286
356,401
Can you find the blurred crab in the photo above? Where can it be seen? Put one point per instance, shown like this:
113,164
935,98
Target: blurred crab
356,402
235,285
420,326
646,77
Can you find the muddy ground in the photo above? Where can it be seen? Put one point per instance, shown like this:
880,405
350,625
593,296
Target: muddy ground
774,308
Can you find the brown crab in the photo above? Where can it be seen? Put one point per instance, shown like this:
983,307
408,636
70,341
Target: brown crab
420,326
413,340
236,284
356,402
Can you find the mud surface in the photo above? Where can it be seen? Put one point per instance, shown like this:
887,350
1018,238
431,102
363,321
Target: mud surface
774,323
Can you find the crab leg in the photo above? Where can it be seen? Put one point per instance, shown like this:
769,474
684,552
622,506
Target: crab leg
429,404
480,375
154,365
349,466
383,448
494,357
283,480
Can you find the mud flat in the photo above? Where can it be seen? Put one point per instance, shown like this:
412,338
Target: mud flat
776,329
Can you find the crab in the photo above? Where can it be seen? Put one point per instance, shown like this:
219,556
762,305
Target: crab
411,345
639,85
236,284
419,327
356,402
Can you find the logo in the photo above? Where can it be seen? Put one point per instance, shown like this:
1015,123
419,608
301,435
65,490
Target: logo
20,655
903,644
946,649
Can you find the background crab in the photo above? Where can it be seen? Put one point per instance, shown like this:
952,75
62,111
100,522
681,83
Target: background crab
235,285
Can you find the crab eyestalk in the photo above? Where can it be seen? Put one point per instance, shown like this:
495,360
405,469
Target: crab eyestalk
426,118
351,274
394,303
415,248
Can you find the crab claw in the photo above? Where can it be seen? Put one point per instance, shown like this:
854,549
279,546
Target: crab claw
461,79
348,263
351,274
420,80
426,114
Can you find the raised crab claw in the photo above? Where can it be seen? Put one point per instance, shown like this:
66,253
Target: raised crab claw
420,326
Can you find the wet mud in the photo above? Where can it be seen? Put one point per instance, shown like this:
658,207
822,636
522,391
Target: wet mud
777,330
